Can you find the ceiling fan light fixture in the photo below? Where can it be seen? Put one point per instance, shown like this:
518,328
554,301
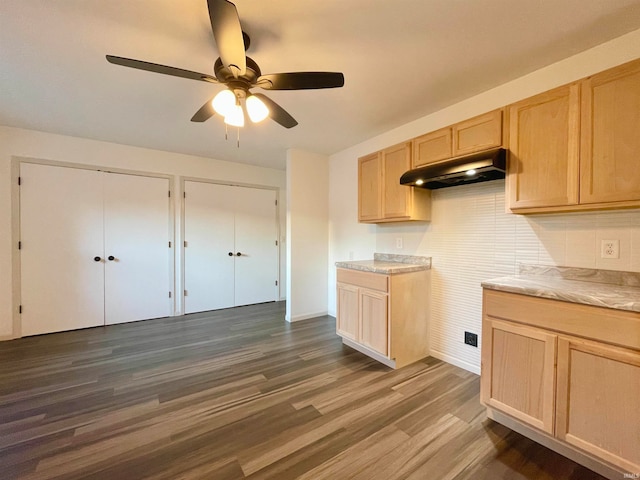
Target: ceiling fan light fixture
256,109
224,102
235,117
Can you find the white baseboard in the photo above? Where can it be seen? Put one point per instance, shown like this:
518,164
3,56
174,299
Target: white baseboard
455,361
297,318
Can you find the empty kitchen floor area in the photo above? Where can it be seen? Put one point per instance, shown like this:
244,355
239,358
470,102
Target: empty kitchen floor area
240,393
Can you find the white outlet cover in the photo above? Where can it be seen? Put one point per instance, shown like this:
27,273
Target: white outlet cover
610,249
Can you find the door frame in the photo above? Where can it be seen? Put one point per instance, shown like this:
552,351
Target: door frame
230,183
16,265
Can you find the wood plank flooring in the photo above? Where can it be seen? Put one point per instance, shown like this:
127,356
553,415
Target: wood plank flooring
240,393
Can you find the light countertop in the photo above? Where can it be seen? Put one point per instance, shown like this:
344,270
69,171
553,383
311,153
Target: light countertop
389,264
600,288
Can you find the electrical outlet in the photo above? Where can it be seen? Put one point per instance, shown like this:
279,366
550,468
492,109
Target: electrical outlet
471,339
610,249
399,243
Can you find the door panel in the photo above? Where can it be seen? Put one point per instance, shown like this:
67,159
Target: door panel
62,287
256,269
209,233
347,311
136,226
374,325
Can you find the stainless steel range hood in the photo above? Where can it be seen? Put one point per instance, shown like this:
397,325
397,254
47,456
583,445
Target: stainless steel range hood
474,168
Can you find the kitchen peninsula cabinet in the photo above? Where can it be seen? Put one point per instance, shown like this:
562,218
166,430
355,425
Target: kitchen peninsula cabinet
575,148
476,134
566,375
384,315
381,198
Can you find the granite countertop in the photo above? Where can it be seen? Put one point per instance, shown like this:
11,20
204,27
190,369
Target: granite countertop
600,288
388,263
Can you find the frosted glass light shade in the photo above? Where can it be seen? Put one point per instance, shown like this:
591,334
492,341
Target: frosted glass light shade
235,117
224,102
256,109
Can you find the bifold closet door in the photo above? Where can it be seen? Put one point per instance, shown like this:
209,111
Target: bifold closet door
62,283
256,269
136,248
231,256
209,252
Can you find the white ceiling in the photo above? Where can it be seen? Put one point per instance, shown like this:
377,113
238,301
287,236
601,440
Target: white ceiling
402,59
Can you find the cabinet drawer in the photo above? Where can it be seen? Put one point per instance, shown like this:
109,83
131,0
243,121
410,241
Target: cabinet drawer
373,281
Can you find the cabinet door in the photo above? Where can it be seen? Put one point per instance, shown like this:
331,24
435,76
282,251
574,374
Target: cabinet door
544,148
479,133
519,370
374,324
396,198
598,400
431,147
61,229
136,235
370,188
609,166
347,311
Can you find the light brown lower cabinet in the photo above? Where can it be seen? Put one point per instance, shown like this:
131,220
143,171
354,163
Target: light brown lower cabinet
579,396
384,316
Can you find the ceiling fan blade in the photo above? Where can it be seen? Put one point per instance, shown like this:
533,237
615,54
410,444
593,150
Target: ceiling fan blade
164,69
277,113
205,112
300,80
227,31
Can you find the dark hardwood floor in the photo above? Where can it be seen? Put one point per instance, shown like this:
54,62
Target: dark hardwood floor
239,394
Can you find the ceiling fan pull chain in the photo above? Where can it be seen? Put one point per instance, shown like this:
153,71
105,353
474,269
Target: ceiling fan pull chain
226,131
238,137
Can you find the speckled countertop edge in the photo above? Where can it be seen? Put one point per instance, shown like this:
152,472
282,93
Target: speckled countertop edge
600,288
389,264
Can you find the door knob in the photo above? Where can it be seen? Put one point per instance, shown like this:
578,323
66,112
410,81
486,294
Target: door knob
96,259
111,258
231,254
238,254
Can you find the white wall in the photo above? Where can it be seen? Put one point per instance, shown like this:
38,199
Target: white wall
307,234
470,237
46,146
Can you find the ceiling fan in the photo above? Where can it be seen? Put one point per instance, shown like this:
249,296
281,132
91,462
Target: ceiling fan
239,74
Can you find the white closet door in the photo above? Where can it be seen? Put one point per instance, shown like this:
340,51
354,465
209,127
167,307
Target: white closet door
209,233
62,287
256,235
136,226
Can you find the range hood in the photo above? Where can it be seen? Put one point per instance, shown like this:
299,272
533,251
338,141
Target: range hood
474,168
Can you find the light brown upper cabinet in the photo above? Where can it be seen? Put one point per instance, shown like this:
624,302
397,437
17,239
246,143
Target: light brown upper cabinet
476,134
610,147
370,188
432,147
576,147
544,146
381,198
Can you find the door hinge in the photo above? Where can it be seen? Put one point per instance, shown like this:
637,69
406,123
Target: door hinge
276,243
169,193
169,244
20,309
19,180
184,194
276,283
185,243
276,203
19,245
186,293
169,294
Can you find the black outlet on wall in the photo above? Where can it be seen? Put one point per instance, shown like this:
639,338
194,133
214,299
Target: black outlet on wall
471,339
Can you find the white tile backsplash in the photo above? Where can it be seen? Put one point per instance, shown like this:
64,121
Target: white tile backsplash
471,238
